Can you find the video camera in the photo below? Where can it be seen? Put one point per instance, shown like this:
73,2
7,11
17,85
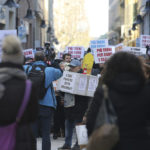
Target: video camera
49,51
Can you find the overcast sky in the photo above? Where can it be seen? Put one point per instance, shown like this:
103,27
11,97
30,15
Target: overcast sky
97,13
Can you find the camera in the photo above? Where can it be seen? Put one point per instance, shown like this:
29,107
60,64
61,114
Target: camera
49,51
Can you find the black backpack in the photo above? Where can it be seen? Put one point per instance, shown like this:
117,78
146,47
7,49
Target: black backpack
38,79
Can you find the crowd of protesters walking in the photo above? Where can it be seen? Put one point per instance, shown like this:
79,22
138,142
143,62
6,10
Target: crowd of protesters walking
29,100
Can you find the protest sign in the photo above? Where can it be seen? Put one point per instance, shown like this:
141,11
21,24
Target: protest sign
22,33
76,83
3,34
102,54
59,55
98,43
88,63
75,51
145,41
119,47
28,53
135,50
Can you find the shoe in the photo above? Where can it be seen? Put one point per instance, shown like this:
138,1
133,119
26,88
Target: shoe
65,147
75,147
55,136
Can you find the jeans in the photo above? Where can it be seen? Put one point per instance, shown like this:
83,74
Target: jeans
69,126
43,124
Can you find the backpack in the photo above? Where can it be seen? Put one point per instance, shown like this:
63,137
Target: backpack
8,133
38,79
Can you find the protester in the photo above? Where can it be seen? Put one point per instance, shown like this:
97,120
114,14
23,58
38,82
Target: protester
12,92
75,107
47,105
67,57
129,93
59,116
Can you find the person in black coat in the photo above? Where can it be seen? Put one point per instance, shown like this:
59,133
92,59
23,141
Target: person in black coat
12,88
129,92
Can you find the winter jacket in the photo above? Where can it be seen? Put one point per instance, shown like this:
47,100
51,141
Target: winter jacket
131,101
51,74
10,104
77,112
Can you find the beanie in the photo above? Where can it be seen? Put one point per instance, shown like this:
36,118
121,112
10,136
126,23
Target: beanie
12,50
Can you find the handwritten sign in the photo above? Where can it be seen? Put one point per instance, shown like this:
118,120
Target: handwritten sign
75,51
76,83
102,54
135,50
145,41
28,53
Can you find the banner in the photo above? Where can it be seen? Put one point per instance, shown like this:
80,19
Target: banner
3,34
79,84
135,50
102,54
98,43
87,64
145,41
75,51
28,53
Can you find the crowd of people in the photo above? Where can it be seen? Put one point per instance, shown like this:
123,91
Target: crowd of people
28,100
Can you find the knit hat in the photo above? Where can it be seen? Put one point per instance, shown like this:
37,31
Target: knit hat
12,50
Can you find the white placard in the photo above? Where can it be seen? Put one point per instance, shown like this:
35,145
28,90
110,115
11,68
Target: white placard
67,82
28,53
102,54
78,84
82,136
145,41
3,34
92,84
75,51
135,50
98,43
82,83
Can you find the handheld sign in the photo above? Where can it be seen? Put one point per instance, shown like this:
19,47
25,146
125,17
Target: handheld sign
28,53
79,84
88,63
75,51
102,54
135,50
119,47
145,41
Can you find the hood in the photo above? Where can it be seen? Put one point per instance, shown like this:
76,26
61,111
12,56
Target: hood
127,83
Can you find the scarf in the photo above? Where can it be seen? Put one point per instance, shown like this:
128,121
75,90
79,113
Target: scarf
7,73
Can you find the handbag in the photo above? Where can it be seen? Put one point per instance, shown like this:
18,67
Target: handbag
106,133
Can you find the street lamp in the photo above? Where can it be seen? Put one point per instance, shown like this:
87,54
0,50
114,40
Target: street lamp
29,12
147,7
134,26
139,19
43,25
11,3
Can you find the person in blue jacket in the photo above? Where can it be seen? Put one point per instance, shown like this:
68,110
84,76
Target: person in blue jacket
48,104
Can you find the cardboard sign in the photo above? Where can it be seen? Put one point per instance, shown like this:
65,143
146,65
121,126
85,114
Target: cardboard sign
28,53
78,84
82,135
75,51
102,54
135,50
145,41
87,64
3,34
119,47
94,44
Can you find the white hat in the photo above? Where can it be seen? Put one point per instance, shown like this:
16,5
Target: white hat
12,50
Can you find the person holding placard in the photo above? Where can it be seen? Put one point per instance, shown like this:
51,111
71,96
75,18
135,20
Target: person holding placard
75,107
